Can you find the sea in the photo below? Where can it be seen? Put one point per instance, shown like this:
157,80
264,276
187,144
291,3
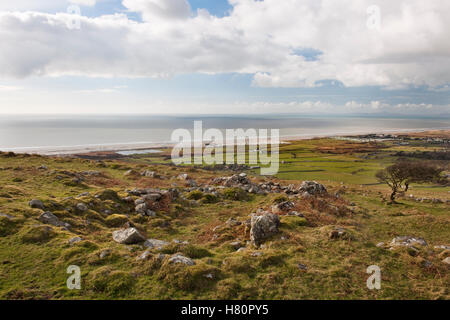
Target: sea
65,134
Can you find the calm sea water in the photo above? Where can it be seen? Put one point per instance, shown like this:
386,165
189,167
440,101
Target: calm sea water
75,133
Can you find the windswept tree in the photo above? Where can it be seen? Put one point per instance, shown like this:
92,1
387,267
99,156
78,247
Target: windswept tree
402,173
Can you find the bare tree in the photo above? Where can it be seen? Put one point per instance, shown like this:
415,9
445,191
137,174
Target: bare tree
401,174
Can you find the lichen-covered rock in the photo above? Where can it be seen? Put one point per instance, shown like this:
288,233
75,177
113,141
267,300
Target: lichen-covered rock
36,204
178,258
312,188
407,241
50,218
155,244
263,226
150,174
128,236
282,207
81,207
74,240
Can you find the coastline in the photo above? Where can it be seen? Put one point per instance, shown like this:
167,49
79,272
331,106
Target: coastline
140,146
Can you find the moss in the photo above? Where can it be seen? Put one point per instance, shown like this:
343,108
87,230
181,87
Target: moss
227,289
189,250
209,198
195,252
280,198
116,220
195,195
239,264
114,283
188,278
269,260
37,234
7,226
292,222
108,195
235,194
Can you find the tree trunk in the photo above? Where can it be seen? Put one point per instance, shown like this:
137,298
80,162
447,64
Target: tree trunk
406,186
394,192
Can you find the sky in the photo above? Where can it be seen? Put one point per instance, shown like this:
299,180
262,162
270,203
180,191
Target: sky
225,56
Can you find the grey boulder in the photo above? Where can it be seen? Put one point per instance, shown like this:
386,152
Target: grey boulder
128,236
263,226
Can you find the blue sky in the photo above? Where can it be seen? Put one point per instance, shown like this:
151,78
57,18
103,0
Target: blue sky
227,79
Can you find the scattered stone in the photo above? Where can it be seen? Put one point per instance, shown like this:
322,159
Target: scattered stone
282,207
7,216
236,245
151,197
82,207
150,174
209,276
256,253
296,214
426,263
128,236
143,210
84,194
43,167
413,252
145,256
155,244
232,222
312,187
129,173
263,226
338,233
104,253
442,247
178,258
50,218
183,176
380,244
407,241
446,260
302,267
75,240
36,204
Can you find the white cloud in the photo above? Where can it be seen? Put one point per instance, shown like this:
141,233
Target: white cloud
88,3
258,37
9,88
159,9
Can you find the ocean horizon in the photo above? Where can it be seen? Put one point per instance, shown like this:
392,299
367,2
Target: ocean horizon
53,134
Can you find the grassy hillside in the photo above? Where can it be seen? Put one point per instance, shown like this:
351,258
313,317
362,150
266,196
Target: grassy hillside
301,261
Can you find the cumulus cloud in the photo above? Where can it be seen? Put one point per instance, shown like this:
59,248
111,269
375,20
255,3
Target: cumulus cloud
263,38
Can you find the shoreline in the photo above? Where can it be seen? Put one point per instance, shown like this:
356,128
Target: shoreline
114,148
